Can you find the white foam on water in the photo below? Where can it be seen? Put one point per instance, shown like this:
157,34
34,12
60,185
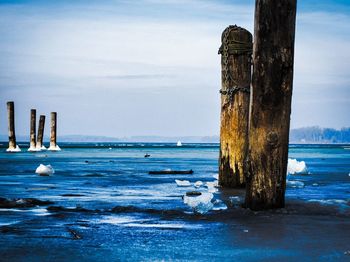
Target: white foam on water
216,176
200,204
54,148
14,150
44,170
296,167
179,143
198,184
183,183
295,184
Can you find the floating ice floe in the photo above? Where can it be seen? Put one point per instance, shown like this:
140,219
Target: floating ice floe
200,204
296,167
13,150
54,148
198,184
182,182
219,205
44,170
295,184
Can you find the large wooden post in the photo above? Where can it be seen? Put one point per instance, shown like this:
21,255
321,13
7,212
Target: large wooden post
236,50
39,143
11,125
32,145
53,143
272,83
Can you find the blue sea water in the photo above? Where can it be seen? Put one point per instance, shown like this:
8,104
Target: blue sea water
105,206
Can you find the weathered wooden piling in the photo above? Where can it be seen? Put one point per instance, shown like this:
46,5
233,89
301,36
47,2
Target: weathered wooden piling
53,142
272,83
11,125
32,145
39,143
236,51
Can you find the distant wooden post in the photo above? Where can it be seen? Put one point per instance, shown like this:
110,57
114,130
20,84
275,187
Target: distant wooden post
236,51
32,129
11,125
39,143
272,83
53,143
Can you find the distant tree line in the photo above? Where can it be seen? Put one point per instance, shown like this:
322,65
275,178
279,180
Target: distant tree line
317,134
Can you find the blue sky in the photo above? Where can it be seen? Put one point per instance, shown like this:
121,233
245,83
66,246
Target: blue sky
150,67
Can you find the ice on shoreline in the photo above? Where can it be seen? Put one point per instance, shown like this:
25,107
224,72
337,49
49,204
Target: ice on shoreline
44,170
34,149
200,204
14,150
41,148
54,148
296,167
212,186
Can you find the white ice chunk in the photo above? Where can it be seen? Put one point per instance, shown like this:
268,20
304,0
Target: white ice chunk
219,205
13,150
200,204
198,184
54,148
212,186
182,182
296,167
44,170
295,184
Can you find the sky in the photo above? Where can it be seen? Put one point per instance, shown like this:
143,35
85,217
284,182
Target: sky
150,67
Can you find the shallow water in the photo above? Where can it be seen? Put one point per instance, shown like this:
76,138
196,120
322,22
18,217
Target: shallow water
107,207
